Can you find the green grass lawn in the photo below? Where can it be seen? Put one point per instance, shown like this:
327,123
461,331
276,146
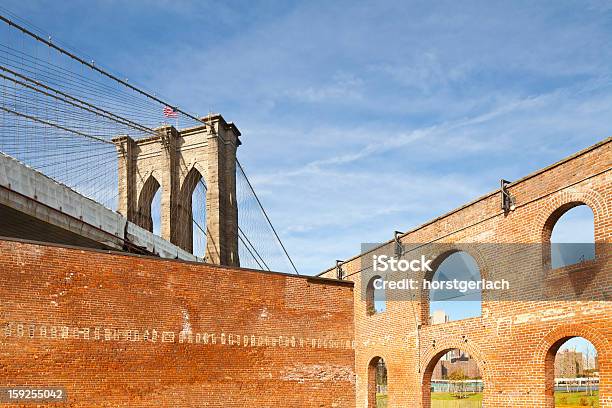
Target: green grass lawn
562,399
575,399
381,401
447,396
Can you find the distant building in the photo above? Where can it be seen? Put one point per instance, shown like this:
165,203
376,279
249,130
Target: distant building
569,364
439,317
455,360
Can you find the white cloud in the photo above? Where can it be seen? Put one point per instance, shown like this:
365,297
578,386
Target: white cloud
343,87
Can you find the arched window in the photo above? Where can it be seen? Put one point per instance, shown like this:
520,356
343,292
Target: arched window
376,301
447,305
198,202
453,374
149,202
572,365
377,383
156,212
572,238
191,235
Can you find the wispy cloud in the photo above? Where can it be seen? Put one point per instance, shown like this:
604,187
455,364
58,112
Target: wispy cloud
343,88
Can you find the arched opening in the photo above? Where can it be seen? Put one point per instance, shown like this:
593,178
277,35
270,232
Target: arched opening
571,233
156,212
149,203
191,234
453,304
377,383
198,200
452,375
376,301
572,374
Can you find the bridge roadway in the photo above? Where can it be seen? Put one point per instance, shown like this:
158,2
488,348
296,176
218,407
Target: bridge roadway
38,208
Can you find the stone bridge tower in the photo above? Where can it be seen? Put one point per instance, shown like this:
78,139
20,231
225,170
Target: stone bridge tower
175,161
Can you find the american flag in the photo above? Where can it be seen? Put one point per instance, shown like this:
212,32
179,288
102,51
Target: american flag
170,112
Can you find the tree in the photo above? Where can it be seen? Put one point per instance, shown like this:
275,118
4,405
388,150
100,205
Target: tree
457,379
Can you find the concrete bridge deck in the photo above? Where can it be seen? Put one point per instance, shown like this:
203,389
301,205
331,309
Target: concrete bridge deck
36,207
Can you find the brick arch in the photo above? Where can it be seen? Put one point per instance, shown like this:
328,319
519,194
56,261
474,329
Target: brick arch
370,296
184,231
371,376
443,251
147,192
200,167
556,206
440,253
189,182
433,354
561,202
188,168
546,351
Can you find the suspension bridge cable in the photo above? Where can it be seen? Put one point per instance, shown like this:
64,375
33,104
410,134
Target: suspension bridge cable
35,119
40,84
241,234
93,66
248,249
253,247
102,112
267,218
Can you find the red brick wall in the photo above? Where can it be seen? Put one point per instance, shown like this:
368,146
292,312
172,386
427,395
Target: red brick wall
444,368
514,343
122,330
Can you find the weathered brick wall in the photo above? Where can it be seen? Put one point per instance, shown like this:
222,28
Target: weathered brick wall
468,367
122,330
513,342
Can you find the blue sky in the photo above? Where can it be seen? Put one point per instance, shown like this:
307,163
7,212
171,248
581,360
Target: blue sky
361,118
